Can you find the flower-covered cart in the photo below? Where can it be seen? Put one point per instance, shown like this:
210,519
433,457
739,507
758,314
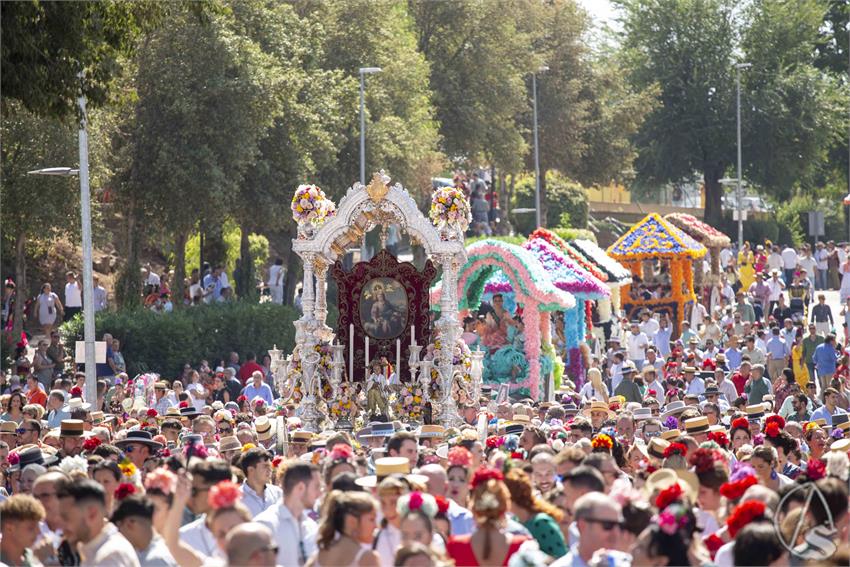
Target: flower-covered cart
708,236
660,257
532,288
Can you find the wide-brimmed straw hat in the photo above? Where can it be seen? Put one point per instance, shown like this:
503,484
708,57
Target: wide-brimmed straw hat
598,406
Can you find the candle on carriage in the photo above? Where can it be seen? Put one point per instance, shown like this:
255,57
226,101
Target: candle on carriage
367,357
351,352
398,358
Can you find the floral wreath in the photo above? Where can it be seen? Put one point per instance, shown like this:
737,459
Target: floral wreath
461,360
744,514
408,406
343,403
417,501
449,206
311,205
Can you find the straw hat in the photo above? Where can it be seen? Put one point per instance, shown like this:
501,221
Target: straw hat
642,413
696,425
657,446
598,406
755,411
673,408
840,446
386,466
73,428
75,404
431,431
300,437
265,428
670,434
229,443
139,436
665,478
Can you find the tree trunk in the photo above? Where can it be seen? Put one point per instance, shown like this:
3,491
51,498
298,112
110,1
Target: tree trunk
215,249
247,286
21,287
713,193
179,283
128,286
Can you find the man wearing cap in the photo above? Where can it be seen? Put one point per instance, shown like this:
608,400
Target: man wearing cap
139,446
627,388
693,383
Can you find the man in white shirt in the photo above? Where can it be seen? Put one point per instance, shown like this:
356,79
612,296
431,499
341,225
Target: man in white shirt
789,263
725,257
775,287
774,259
149,278
275,281
693,383
99,296
195,533
648,325
257,494
73,296
661,339
294,532
821,255
83,509
636,343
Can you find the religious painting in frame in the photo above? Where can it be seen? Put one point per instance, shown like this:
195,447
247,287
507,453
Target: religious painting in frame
382,300
383,308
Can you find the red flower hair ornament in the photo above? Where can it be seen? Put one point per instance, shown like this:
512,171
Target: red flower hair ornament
720,438
152,413
124,490
669,495
734,490
224,495
676,449
602,441
740,423
743,515
772,430
483,475
442,505
460,457
341,452
815,469
91,444
703,459
777,419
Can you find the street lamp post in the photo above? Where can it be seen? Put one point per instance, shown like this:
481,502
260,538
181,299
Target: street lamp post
363,72
537,214
739,191
85,217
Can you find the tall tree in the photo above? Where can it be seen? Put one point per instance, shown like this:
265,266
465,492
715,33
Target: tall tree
46,44
687,48
793,110
206,96
35,208
480,59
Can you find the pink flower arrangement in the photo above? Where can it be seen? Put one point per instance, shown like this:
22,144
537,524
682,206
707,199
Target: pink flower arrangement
450,206
309,204
459,457
224,495
13,458
161,479
667,522
341,452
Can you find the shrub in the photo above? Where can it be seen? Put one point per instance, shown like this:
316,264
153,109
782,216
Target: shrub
573,233
565,199
153,342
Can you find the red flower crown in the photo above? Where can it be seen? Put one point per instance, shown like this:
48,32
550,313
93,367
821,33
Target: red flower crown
676,449
740,422
484,474
734,490
667,496
743,515
719,437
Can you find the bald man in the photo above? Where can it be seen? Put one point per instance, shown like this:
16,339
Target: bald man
250,544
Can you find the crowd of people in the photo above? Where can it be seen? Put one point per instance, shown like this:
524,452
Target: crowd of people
695,450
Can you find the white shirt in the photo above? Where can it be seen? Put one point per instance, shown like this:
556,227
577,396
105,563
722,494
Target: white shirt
774,261
73,295
196,290
725,257
109,549
697,386
197,535
290,534
789,258
809,264
649,327
727,388
156,554
775,286
275,275
820,256
637,345
389,538
153,279
99,296
256,504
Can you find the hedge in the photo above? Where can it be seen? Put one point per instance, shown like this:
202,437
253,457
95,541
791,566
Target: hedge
562,195
569,234
163,343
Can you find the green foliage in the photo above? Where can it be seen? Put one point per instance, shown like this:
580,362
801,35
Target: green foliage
562,196
573,233
517,240
47,44
163,343
232,235
793,214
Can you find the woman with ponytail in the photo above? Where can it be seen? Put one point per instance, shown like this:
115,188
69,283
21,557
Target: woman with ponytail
346,531
538,516
490,544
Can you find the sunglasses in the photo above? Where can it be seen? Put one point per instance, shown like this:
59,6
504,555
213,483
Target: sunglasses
606,525
21,430
269,548
226,430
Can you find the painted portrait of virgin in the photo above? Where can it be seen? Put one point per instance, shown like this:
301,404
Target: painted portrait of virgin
383,308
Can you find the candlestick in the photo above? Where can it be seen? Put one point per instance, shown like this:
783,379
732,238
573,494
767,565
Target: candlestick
412,335
398,358
351,352
367,356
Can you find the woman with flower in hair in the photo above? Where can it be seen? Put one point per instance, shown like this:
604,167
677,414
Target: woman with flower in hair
346,531
740,433
710,468
775,436
816,440
538,516
457,472
669,539
108,475
339,460
490,544
159,488
765,462
417,511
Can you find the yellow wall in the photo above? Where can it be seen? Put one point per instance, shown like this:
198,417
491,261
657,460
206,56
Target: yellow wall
610,194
